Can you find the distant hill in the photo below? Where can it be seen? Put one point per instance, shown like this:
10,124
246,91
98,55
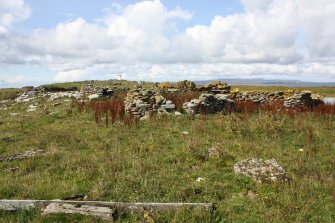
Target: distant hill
265,82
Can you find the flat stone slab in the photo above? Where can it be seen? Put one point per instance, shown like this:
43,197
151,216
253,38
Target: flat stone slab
262,171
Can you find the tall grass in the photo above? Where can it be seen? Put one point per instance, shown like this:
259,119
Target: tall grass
105,111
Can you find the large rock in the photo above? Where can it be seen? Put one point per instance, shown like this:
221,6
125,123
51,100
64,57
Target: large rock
262,171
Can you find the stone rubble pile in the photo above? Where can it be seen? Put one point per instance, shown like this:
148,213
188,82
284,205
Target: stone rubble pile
262,171
140,102
58,95
30,94
101,94
216,87
209,103
32,108
185,85
94,92
302,99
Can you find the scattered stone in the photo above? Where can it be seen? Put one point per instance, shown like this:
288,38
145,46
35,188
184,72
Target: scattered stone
251,195
262,171
30,94
93,96
23,155
199,179
32,108
144,118
12,169
14,114
216,151
185,132
56,96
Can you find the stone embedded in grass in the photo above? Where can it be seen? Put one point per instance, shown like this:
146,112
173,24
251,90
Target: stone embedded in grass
23,155
32,108
185,132
216,151
262,171
12,169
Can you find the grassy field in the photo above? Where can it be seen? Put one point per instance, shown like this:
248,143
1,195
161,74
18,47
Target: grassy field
9,93
109,83
153,161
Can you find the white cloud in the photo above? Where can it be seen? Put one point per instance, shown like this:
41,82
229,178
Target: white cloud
12,11
292,38
256,5
317,22
70,75
180,13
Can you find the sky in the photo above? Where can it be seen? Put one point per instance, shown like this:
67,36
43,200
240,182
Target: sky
165,40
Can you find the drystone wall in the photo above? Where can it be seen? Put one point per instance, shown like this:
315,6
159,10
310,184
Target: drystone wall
304,99
217,87
140,102
209,103
260,97
289,99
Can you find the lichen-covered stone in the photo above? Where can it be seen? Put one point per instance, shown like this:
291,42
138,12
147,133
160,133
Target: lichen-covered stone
262,171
